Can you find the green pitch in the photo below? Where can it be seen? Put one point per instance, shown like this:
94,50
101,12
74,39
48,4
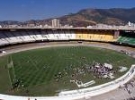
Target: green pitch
47,71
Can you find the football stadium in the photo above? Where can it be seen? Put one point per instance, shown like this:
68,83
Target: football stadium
67,64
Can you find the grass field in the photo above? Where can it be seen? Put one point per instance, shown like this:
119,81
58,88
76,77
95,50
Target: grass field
36,69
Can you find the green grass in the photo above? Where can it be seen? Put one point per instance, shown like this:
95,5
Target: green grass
5,81
37,68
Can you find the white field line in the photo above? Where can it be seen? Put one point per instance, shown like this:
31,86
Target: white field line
33,63
9,74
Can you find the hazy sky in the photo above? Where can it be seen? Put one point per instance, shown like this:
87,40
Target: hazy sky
40,9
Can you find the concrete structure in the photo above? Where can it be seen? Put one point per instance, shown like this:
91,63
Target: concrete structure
55,23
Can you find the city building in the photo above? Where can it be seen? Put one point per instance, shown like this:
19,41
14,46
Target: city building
55,23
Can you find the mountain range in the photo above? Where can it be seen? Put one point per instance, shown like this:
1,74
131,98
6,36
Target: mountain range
85,17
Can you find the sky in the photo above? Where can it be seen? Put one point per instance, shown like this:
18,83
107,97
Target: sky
22,10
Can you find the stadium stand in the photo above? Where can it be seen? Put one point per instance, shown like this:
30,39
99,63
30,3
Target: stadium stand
79,35
31,35
3,42
18,36
43,35
93,35
127,38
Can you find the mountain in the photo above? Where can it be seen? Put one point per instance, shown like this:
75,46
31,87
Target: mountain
114,16
85,17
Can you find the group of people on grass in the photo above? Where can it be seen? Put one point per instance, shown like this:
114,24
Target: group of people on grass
96,70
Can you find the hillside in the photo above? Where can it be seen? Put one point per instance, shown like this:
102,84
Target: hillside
85,17
115,16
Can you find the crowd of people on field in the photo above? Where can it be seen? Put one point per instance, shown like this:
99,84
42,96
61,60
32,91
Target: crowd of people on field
97,70
100,70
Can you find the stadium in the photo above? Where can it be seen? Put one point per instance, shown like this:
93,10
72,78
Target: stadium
67,63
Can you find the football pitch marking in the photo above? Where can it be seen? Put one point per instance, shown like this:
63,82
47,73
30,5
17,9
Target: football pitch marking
34,64
9,77
10,65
